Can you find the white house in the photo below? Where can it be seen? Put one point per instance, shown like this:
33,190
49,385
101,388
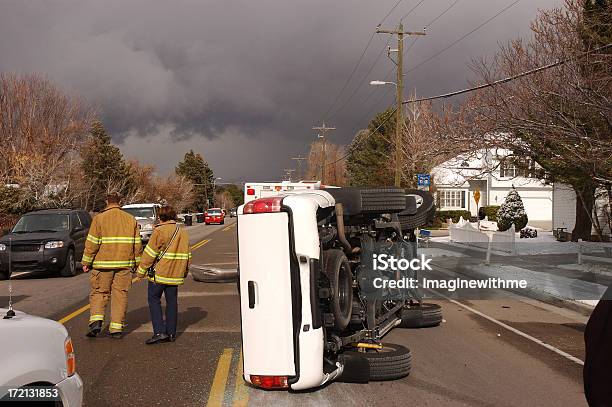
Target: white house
564,209
492,172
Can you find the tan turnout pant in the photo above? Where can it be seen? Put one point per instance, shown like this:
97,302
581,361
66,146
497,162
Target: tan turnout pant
113,284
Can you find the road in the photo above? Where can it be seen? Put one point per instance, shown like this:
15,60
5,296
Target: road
485,353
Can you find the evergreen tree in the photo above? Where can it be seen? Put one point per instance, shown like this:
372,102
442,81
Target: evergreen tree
512,211
196,169
103,166
367,162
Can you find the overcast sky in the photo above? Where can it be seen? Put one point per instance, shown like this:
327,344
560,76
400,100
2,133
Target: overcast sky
241,81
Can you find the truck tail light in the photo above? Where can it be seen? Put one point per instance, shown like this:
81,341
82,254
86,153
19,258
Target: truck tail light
270,382
250,191
70,358
263,205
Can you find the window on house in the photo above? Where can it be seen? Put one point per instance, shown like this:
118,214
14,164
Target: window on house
512,167
452,198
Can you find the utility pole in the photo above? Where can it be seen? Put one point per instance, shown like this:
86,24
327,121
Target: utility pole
288,172
322,135
400,90
299,160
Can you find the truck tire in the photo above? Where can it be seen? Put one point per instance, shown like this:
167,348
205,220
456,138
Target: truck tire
4,275
421,316
382,200
423,214
69,269
338,270
360,201
389,363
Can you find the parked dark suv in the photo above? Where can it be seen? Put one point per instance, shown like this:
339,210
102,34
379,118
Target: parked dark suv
45,240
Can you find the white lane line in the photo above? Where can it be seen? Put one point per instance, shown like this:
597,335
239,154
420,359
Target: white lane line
512,329
21,273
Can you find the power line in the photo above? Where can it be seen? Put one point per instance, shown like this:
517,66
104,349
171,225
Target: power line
390,11
348,80
497,82
452,44
431,22
344,87
412,9
350,76
507,79
364,79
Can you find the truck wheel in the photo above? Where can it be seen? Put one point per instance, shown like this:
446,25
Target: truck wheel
69,269
359,201
4,275
382,200
389,363
421,316
338,271
424,211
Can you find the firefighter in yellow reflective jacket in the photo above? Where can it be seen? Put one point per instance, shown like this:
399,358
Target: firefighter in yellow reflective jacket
165,262
112,253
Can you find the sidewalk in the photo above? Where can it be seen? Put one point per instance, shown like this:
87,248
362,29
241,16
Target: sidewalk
557,276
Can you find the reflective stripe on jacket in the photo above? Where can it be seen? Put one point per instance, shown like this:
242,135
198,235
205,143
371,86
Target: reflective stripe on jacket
113,241
173,267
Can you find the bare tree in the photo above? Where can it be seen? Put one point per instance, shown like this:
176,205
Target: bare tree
335,167
560,117
42,129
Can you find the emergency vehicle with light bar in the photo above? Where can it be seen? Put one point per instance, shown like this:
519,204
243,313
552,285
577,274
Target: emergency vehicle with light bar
255,190
305,319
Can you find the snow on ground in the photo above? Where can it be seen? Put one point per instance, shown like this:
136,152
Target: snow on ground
605,270
434,252
545,243
557,286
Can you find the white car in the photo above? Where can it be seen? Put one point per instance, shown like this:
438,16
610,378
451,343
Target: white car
306,315
146,216
37,351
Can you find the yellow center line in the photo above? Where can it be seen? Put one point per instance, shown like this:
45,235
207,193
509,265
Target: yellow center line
241,392
217,390
229,227
199,244
74,314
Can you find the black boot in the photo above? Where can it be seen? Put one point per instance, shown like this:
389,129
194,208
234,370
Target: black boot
171,337
116,335
157,338
94,329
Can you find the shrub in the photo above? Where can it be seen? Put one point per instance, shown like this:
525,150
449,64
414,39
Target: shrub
15,201
490,212
512,211
441,216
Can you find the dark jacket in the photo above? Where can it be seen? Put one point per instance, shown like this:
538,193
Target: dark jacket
597,372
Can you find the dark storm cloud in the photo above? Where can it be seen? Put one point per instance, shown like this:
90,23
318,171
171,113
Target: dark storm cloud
198,70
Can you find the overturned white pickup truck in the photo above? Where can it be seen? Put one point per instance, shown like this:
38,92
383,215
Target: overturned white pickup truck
308,311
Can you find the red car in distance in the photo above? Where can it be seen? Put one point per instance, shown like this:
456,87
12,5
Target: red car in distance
214,215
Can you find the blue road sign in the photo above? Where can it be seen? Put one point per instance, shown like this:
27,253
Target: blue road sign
423,180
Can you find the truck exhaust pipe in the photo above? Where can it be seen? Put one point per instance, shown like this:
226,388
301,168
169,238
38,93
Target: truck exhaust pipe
340,223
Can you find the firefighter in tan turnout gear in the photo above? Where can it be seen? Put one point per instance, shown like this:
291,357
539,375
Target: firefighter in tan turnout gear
112,253
165,262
